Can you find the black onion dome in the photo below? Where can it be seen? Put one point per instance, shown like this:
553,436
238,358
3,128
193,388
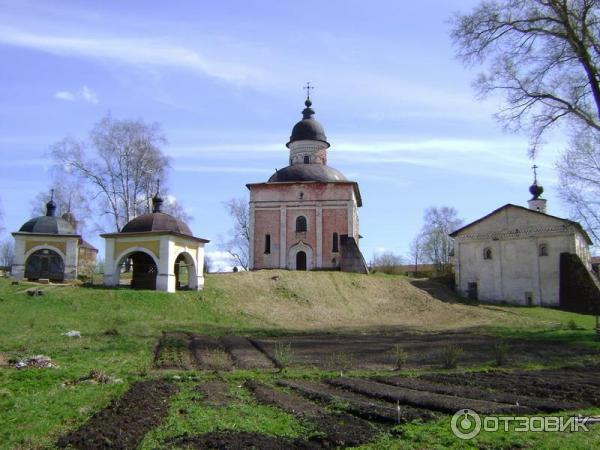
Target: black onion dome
47,225
308,129
156,221
307,172
536,190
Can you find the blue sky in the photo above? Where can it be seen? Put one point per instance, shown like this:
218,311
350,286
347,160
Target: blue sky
224,79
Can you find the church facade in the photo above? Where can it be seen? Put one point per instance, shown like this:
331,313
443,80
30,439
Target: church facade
517,254
305,216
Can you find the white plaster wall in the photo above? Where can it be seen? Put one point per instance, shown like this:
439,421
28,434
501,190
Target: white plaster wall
516,266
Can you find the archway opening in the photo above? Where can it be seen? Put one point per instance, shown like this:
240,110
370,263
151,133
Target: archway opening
140,269
185,273
301,260
45,264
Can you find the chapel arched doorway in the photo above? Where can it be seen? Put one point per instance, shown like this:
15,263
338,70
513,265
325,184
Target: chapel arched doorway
45,264
143,270
185,273
301,260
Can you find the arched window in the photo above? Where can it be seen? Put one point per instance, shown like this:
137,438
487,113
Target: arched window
306,160
543,250
335,247
487,253
267,244
301,224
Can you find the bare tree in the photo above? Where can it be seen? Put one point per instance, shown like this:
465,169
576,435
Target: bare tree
416,252
543,55
70,199
386,262
119,164
238,244
208,264
7,252
437,244
579,180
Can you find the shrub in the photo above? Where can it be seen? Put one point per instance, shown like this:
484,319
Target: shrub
340,361
400,356
451,355
283,354
572,325
501,351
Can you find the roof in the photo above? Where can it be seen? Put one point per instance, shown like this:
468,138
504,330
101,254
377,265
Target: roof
308,129
156,221
47,225
307,172
510,205
85,244
153,233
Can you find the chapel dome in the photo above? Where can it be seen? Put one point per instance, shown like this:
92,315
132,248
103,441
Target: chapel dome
156,221
48,224
308,129
536,190
307,172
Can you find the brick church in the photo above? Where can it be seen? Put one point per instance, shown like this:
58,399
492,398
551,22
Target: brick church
306,216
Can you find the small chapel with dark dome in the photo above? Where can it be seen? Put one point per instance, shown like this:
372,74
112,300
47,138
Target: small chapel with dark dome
305,216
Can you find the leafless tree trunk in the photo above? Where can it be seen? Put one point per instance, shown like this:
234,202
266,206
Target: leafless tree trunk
238,244
543,55
119,165
416,251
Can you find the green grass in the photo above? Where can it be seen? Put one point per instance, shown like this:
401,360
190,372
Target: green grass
35,409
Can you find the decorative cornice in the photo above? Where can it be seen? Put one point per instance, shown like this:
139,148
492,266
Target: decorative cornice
517,233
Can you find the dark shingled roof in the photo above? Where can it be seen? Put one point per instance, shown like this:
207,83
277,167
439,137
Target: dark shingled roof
156,221
47,225
307,172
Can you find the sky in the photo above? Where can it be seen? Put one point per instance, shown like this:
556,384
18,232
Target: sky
224,80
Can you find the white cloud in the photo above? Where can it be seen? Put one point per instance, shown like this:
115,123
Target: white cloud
220,169
85,94
220,261
65,95
88,95
145,52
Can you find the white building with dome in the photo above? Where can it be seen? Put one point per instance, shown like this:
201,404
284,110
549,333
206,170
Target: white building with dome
521,255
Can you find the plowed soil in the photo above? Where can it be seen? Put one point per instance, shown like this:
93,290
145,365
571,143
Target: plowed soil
535,383
335,430
125,421
359,405
375,351
422,399
459,390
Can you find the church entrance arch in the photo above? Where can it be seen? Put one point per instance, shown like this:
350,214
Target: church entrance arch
300,260
142,267
186,277
45,263
300,257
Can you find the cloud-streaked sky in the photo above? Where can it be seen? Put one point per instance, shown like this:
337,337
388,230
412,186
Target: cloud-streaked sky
224,79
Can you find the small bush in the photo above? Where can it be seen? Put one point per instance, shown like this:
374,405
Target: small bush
501,351
572,325
340,361
283,354
450,356
217,360
400,356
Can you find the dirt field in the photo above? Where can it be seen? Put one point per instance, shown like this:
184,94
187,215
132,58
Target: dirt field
338,411
349,351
